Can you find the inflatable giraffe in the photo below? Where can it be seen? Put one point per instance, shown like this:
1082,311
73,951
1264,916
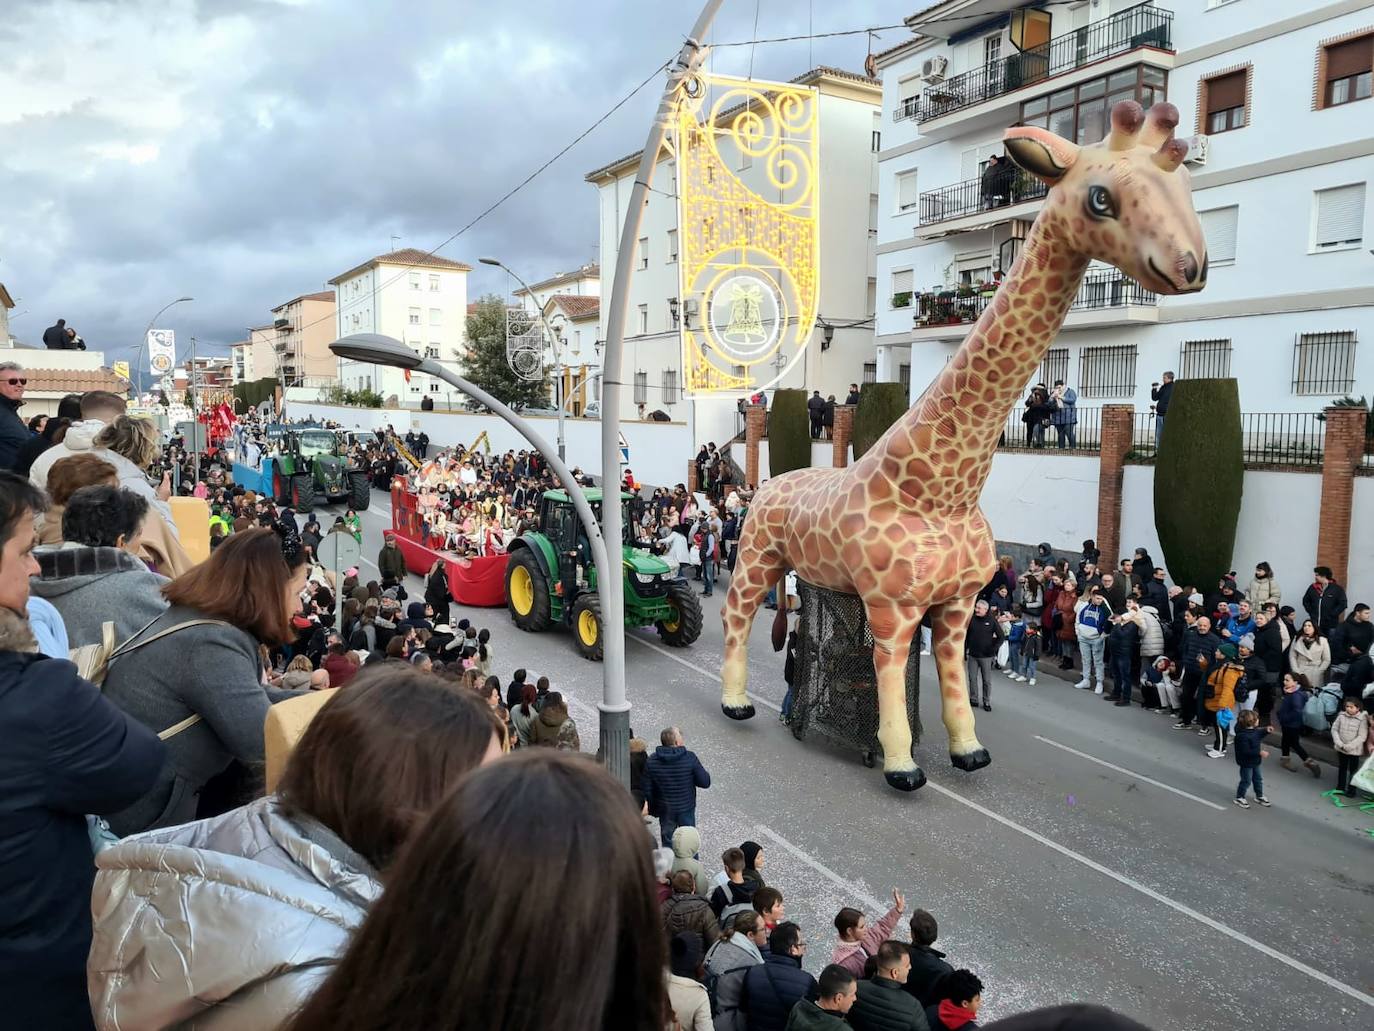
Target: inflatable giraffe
901,527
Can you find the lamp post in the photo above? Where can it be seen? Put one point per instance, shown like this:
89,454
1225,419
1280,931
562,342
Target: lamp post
143,344
553,344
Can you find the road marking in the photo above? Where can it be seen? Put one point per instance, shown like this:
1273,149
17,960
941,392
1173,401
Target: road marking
1131,773
844,884
1149,892
698,669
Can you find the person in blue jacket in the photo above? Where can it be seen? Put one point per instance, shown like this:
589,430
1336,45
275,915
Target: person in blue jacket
671,778
67,752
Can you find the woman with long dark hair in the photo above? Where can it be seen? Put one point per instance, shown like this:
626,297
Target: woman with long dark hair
480,864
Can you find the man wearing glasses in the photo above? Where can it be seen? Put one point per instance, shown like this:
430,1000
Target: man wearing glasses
13,433
774,986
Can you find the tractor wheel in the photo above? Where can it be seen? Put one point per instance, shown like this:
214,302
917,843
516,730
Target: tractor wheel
587,627
302,494
359,491
281,485
527,592
683,630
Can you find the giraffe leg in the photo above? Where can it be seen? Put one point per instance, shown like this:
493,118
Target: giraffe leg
755,571
950,625
893,627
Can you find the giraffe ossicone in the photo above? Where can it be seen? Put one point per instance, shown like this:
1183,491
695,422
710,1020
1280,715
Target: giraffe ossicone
901,527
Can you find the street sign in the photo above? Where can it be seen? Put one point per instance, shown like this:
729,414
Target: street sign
624,451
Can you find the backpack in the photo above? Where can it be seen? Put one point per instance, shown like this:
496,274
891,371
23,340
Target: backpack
1321,708
730,912
712,981
93,661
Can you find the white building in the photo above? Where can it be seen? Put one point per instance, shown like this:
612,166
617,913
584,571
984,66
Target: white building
6,303
849,116
1273,95
580,282
417,298
571,303
256,357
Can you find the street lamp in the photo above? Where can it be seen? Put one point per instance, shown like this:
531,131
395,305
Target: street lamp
376,349
553,344
143,344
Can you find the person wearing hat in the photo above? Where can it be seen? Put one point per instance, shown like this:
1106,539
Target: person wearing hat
686,994
1226,675
1253,682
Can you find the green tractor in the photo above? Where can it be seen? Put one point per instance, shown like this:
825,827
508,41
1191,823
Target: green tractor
311,465
550,578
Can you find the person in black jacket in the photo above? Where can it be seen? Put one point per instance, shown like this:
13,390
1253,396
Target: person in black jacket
1160,393
55,337
1269,651
928,966
1324,601
14,434
815,411
882,1005
671,778
1123,641
1075,1016
1153,591
980,648
1199,647
777,984
68,752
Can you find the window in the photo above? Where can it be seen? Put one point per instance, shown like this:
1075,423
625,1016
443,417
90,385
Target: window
1346,69
670,386
1107,371
1340,218
641,388
901,288
415,280
908,97
906,190
672,246
1055,366
1080,112
875,142
643,252
434,284
1205,359
1219,229
870,372
414,316
992,48
1223,101
904,376
432,351
436,316
1324,363
643,318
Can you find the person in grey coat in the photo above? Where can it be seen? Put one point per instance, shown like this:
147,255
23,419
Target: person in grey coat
94,577
727,961
194,675
231,923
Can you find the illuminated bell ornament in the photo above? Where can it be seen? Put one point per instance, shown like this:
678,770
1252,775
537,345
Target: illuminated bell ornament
746,320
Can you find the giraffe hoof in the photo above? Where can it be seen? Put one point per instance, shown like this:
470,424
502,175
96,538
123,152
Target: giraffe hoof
970,761
905,780
739,712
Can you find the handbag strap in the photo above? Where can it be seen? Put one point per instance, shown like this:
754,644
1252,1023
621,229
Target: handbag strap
130,645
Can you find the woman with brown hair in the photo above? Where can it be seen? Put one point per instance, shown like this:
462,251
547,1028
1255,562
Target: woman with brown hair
65,478
430,955
253,908
193,674
130,444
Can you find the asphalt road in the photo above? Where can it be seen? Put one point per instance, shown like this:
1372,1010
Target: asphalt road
1099,857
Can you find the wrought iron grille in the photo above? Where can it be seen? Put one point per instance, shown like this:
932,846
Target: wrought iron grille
1107,371
641,388
1055,366
670,395
870,372
967,197
1324,363
1204,359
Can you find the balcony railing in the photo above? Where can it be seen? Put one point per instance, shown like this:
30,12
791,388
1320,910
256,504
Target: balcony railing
1099,290
1140,26
969,198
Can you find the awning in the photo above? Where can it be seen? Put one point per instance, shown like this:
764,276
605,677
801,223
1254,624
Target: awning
955,16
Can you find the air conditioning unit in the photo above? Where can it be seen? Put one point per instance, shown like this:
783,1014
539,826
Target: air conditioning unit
934,68
1197,150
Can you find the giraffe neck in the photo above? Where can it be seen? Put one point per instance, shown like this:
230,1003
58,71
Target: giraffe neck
942,449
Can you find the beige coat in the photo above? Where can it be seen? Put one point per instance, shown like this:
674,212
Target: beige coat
1311,660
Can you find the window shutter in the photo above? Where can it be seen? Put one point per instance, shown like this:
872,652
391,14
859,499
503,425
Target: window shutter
1226,92
1350,58
909,89
906,190
968,164
901,281
1340,215
1219,228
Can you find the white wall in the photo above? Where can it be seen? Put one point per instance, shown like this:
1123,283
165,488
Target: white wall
1360,573
659,451
1033,497
822,456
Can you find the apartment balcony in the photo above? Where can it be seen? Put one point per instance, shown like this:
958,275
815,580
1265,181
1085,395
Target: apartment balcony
1105,298
282,325
962,102
964,207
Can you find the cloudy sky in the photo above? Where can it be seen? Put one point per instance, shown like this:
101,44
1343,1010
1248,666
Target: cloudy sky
243,152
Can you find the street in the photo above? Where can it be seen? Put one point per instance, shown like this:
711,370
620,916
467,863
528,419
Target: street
1097,859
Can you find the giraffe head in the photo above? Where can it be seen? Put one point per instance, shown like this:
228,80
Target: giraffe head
1127,200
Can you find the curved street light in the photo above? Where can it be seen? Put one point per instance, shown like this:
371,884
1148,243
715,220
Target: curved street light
143,344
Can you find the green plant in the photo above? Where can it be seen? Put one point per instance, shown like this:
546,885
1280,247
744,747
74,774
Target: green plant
880,405
1199,479
363,397
1355,402
902,299
789,435
485,364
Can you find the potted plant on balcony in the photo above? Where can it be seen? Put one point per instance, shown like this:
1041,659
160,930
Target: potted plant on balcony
902,299
965,290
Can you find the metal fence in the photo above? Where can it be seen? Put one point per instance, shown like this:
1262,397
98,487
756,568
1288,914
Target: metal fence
1140,26
967,197
1099,291
1086,433
1289,439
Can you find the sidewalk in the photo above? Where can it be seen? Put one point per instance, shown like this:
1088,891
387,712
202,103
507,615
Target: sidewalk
1318,747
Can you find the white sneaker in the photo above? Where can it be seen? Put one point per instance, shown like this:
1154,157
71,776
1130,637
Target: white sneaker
1097,689
1212,753
1082,685
1031,681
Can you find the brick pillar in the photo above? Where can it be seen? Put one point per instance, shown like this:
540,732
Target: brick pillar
1117,422
842,433
691,476
755,422
1342,451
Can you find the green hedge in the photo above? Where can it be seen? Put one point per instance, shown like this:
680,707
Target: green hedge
880,405
789,433
1199,478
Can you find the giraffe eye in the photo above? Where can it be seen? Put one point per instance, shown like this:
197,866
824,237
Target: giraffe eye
1100,202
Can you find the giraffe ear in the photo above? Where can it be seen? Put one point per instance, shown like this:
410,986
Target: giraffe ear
1040,152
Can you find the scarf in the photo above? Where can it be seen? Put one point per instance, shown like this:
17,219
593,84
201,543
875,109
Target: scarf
15,633
954,1016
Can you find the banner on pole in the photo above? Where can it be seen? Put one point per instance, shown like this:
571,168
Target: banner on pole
120,369
162,349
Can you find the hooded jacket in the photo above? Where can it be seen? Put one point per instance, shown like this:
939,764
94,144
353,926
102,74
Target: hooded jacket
1348,733
1151,631
250,909
671,778
727,961
555,729
68,751
92,586
686,845
690,913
